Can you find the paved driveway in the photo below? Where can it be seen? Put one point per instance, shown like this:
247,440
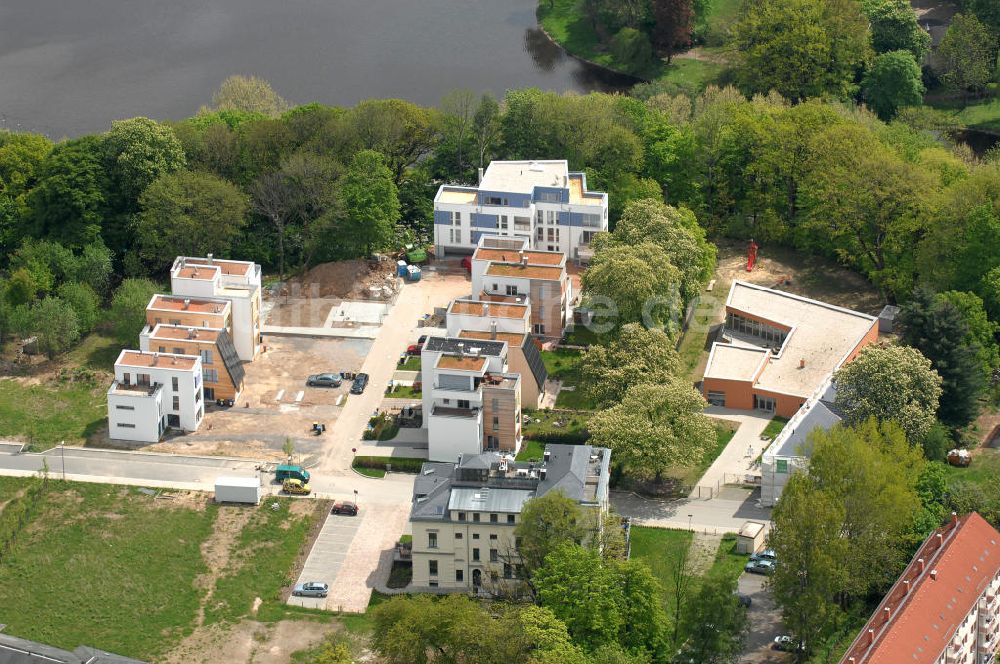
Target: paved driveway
723,514
327,556
765,623
736,460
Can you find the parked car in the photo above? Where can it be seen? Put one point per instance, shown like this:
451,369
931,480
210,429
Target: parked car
786,643
345,508
296,487
414,349
285,471
311,589
324,380
744,600
759,566
766,554
359,384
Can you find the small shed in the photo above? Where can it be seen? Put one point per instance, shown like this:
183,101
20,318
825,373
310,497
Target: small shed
750,538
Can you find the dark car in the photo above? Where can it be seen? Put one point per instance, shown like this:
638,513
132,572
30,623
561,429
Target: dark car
324,380
311,589
359,384
345,508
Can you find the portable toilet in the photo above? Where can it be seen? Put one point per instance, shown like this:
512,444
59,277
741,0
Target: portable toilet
413,273
400,268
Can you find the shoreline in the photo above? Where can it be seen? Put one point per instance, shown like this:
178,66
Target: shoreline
580,58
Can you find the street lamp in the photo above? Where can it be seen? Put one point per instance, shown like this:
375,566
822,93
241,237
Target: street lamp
689,521
355,496
62,454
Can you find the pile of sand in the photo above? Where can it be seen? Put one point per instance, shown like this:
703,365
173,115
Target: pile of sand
344,279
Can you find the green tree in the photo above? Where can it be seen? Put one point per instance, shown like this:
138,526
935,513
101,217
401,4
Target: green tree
21,156
547,522
248,94
890,383
139,151
643,620
893,82
982,330
486,129
93,267
370,205
989,288
801,48
401,131
189,214
938,329
21,288
672,24
967,55
55,325
636,356
805,535
894,27
632,50
582,592
128,309
84,302
715,623
632,284
69,202
654,428
548,638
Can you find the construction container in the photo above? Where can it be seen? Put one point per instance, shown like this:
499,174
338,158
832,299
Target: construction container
401,268
237,490
412,273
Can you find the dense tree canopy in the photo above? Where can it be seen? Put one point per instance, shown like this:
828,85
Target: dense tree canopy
636,356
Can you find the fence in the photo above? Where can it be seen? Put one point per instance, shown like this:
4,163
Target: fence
709,491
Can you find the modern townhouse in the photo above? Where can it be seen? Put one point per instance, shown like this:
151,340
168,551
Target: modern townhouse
222,370
152,392
507,270
239,282
464,514
189,312
471,400
538,201
510,322
944,608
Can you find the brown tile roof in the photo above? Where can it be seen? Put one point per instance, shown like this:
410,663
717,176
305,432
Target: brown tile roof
510,256
964,557
169,303
524,272
137,358
228,267
464,363
512,338
205,272
202,334
473,308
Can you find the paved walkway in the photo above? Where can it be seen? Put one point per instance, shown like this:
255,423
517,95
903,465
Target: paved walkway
361,332
724,514
736,460
327,557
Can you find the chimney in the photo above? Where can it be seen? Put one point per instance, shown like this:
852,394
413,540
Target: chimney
192,333
940,540
493,330
886,613
524,261
480,175
954,518
920,563
546,455
174,360
195,272
906,586
871,636
156,358
486,308
802,363
210,257
541,474
934,575
187,303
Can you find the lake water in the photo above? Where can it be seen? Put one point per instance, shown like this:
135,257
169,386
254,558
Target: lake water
71,67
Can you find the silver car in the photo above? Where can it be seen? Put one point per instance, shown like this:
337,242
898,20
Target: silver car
324,380
311,589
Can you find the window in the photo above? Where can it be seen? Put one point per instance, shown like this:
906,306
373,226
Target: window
587,237
717,398
463,403
475,554
459,575
553,234
508,571
510,518
125,407
503,222
763,403
475,517
458,535
456,218
158,320
432,567
494,556
163,349
142,379
538,328
494,200
175,321
174,383
511,290
517,542
177,403
493,519
550,197
206,357
210,375
493,537
475,536
178,351
461,517
591,220
492,443
540,233
781,466
455,236
123,425
432,584
432,540
496,423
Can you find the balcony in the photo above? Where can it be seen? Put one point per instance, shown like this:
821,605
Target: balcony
447,411
130,390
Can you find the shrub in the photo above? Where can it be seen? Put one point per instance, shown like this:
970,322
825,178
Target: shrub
399,464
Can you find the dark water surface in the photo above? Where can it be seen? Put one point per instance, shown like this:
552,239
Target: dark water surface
72,66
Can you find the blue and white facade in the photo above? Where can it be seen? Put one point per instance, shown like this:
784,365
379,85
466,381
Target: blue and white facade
541,201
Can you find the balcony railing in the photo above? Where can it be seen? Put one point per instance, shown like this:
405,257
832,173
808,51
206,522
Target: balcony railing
447,411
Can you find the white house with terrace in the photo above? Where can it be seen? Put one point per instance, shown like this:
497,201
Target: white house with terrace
539,201
152,392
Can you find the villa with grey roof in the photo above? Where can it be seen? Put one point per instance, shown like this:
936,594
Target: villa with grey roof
464,514
540,201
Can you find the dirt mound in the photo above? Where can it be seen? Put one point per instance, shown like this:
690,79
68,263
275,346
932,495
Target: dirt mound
343,279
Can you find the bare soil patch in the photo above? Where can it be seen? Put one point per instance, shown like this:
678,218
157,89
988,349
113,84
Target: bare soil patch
250,641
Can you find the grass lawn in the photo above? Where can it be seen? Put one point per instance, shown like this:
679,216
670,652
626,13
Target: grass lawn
692,75
559,423
123,563
581,336
727,562
378,473
660,548
774,427
412,363
985,465
564,365
404,392
531,451
983,114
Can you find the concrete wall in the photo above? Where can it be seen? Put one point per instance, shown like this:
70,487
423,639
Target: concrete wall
136,417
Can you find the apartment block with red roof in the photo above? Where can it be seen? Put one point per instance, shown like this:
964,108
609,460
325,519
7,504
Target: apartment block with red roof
943,609
222,370
152,392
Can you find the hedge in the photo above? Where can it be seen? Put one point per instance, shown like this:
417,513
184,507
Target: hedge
399,464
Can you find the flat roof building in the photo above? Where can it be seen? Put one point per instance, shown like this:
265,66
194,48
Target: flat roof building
222,369
778,348
152,392
943,609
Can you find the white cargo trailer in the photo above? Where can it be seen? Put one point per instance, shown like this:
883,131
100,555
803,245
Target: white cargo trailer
237,490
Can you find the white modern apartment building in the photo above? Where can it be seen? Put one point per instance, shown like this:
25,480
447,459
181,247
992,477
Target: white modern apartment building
239,282
471,401
152,392
464,514
539,201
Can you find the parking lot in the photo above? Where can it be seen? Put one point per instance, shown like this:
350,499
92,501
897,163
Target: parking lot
764,618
